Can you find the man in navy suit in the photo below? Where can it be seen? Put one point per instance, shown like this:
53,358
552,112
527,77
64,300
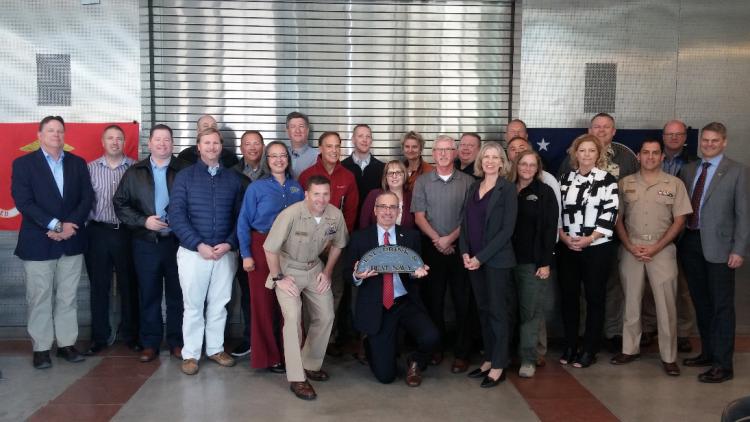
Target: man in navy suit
386,302
52,190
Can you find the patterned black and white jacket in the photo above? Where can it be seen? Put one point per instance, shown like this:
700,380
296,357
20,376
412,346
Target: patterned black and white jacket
589,203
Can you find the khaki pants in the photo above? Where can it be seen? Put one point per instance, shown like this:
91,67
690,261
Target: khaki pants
319,308
51,288
685,310
662,276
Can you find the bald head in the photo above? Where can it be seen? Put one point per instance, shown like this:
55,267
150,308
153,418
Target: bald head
206,121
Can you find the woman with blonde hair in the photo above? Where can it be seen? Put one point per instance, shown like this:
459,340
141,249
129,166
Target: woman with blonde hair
589,211
412,145
487,251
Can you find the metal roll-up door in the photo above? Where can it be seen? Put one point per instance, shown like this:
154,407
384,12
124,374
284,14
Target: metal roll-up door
435,67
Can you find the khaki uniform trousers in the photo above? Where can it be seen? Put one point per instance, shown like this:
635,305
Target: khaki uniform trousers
662,276
685,310
319,308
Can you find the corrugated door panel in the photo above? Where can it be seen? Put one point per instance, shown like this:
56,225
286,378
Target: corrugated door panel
434,67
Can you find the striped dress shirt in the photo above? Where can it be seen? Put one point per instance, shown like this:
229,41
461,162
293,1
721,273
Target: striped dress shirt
105,180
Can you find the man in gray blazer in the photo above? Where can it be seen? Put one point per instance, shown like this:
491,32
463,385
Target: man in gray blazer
713,247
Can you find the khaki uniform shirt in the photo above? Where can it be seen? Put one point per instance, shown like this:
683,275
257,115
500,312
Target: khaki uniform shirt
649,209
299,239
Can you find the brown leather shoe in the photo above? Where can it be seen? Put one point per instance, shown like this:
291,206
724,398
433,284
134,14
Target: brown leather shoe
176,352
189,367
413,375
540,362
459,365
436,358
223,359
671,368
623,358
320,375
303,390
148,355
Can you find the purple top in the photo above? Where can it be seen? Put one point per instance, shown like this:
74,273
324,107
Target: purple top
476,212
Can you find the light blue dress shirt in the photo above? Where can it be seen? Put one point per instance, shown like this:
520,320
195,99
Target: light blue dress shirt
161,192
398,287
56,167
710,171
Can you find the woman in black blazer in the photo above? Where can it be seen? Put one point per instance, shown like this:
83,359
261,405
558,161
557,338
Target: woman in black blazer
534,245
485,243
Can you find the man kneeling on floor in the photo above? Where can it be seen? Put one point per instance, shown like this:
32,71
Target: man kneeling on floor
388,301
298,236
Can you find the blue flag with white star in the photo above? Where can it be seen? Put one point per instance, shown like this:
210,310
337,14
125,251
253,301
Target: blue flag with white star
552,143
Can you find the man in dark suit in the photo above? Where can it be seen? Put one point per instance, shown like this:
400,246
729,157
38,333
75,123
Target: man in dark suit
52,190
387,302
713,247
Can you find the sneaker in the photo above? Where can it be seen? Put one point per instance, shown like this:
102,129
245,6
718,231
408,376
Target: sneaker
223,359
189,367
243,349
527,370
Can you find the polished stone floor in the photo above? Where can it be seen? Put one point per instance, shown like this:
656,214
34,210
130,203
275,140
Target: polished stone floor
115,386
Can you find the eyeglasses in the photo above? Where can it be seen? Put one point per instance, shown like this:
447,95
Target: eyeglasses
675,135
394,173
443,150
384,207
275,156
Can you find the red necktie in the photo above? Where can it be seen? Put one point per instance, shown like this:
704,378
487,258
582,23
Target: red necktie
695,200
387,282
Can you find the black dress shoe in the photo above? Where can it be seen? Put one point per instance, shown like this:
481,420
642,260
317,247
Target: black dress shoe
478,373
488,382
95,348
70,354
568,356
716,375
697,361
585,360
279,368
683,345
334,351
42,360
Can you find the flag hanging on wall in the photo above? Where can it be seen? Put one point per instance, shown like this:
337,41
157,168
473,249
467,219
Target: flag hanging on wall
82,139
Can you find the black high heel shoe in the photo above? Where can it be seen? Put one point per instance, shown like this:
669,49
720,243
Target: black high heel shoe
568,356
478,373
488,382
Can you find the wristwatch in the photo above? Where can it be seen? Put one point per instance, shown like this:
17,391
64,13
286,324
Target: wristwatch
58,227
278,277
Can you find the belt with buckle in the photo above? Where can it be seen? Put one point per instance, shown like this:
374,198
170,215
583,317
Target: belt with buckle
106,225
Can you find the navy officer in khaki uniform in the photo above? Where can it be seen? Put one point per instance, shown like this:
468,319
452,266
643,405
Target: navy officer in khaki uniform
654,208
298,236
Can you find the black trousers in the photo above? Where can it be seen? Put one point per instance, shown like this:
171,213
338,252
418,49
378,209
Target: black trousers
381,348
240,278
711,287
495,297
109,249
591,266
447,271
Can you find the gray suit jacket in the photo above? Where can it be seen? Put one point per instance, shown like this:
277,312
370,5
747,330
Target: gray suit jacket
725,215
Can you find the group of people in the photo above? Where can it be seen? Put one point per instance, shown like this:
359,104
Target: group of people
290,222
